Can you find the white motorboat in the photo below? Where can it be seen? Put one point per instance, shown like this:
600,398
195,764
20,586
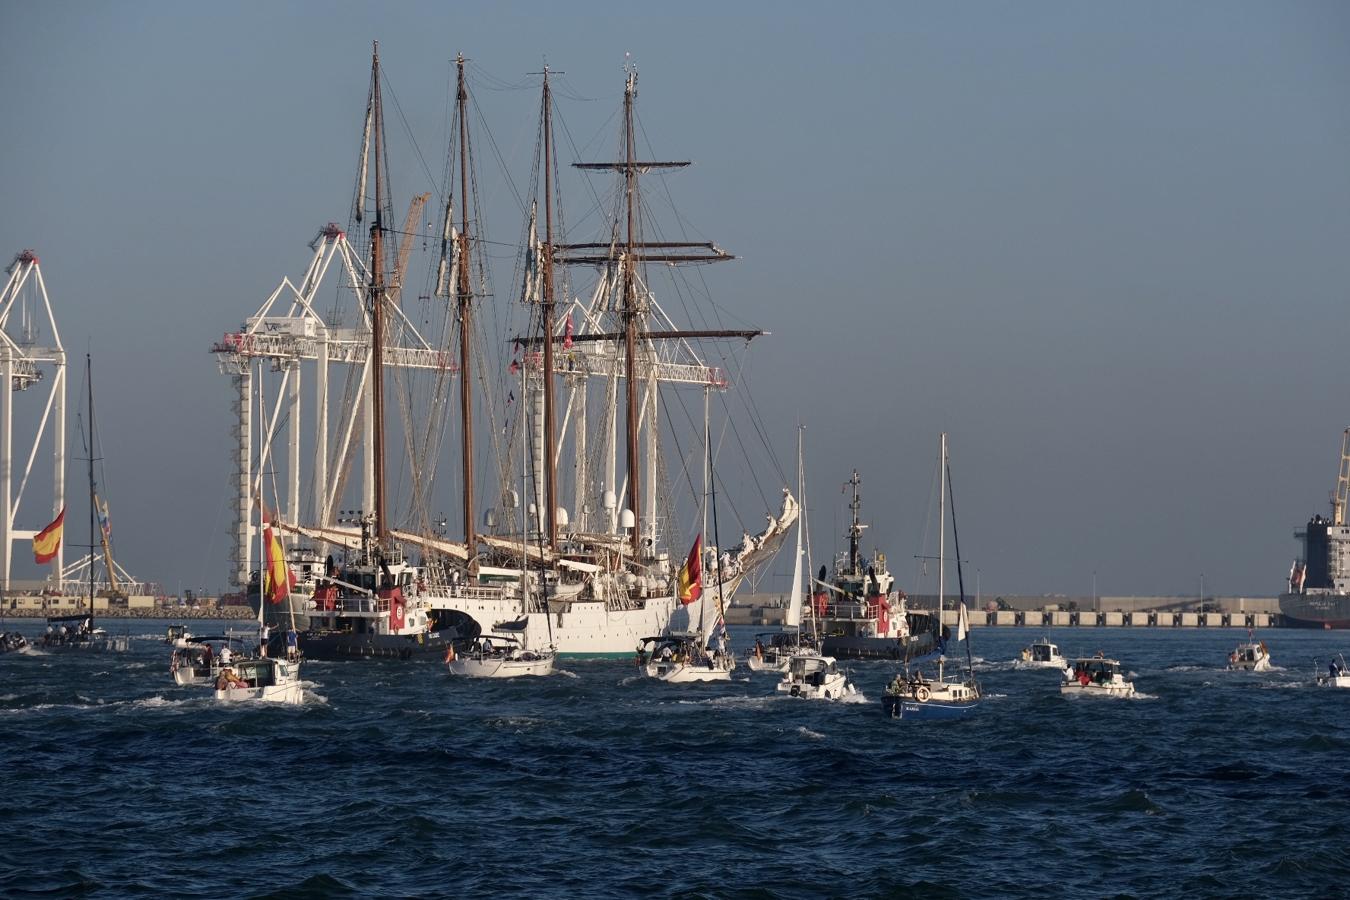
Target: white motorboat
1041,655
815,677
497,656
262,680
683,659
1336,676
1249,657
1095,676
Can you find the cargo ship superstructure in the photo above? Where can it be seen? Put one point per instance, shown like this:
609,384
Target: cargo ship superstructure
1319,580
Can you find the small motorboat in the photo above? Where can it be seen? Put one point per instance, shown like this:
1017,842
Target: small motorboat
684,659
1336,675
262,680
499,656
912,696
1095,676
1249,657
815,677
1041,655
11,641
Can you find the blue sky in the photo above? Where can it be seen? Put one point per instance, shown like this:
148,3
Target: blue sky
1102,245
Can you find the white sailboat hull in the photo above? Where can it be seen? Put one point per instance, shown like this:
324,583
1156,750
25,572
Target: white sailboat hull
499,667
688,673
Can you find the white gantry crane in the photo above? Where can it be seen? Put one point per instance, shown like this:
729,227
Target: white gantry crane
288,332
25,319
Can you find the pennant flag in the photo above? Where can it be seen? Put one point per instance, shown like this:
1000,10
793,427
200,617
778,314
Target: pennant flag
962,624
514,367
47,541
510,398
104,523
691,574
277,579
567,333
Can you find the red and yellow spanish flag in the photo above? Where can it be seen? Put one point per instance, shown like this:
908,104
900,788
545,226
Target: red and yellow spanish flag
277,579
691,574
47,541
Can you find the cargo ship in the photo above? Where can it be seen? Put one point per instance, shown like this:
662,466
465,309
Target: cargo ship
1319,580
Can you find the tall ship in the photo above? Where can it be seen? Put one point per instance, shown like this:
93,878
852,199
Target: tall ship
858,612
584,416
1319,579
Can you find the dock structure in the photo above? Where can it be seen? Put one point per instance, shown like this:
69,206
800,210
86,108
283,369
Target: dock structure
1066,612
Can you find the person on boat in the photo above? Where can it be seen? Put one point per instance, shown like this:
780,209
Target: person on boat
1335,668
207,653
227,679
1069,673
264,634
292,643
226,654
1084,678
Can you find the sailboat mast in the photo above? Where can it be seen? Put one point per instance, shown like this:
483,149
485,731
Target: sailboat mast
465,311
550,437
942,525
93,500
377,302
630,310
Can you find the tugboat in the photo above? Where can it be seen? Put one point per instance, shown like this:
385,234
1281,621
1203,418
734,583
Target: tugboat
862,616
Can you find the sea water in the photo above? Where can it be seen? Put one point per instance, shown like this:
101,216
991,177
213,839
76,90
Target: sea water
395,779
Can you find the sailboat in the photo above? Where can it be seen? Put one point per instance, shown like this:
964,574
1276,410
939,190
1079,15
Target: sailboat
267,679
913,695
688,656
79,632
505,655
774,650
604,581
374,602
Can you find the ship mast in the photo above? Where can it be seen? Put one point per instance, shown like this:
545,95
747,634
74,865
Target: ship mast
376,295
550,437
465,309
855,528
633,308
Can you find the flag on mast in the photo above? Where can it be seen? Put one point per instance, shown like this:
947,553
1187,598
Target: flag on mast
691,574
48,541
277,578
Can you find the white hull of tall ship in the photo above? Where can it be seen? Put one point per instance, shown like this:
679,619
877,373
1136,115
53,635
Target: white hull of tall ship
590,626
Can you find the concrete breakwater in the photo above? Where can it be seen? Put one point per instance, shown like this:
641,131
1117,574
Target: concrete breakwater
1035,612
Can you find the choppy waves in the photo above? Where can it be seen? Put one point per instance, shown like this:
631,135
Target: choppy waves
394,779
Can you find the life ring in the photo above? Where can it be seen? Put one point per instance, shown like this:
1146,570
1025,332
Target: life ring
796,691
921,693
